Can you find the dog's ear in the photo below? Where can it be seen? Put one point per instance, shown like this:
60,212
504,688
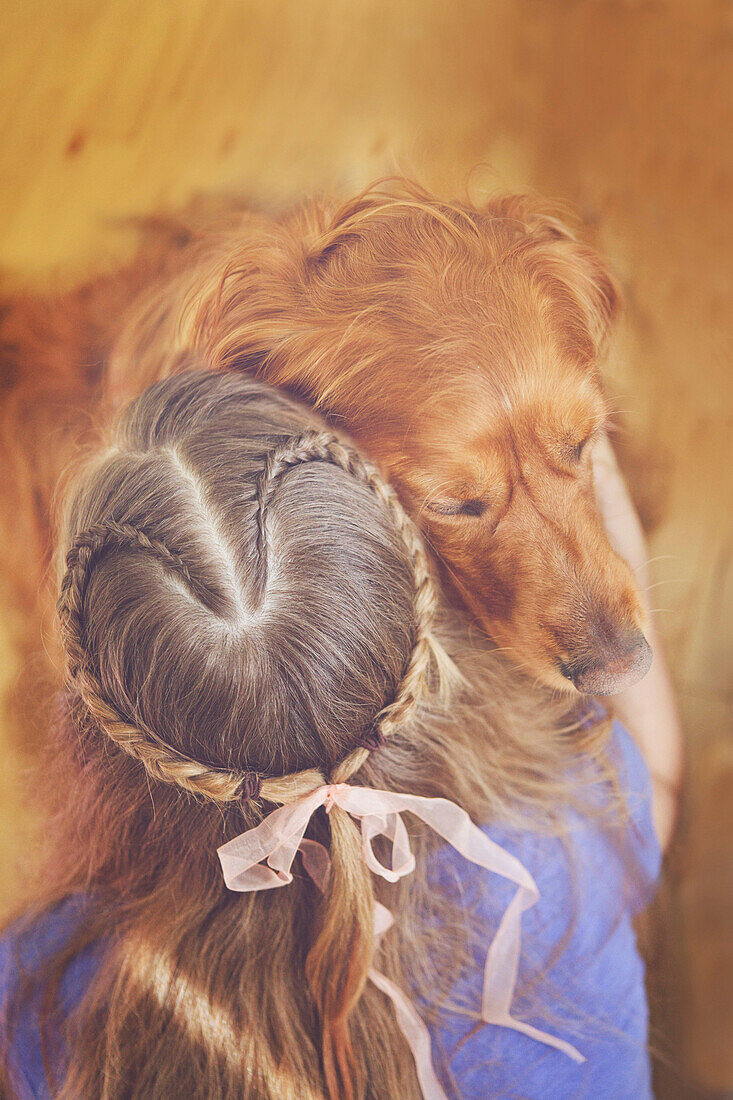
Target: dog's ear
589,280
575,270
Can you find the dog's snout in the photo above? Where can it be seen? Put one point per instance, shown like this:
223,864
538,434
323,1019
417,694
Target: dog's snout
617,664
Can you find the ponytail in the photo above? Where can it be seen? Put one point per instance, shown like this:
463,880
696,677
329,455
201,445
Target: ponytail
339,961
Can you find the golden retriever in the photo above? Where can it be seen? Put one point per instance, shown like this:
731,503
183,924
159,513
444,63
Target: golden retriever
459,344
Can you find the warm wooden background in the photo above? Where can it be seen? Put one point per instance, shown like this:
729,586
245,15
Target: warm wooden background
622,108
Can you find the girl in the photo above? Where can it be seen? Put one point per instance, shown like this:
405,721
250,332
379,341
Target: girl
261,682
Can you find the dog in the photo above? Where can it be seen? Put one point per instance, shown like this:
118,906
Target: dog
458,344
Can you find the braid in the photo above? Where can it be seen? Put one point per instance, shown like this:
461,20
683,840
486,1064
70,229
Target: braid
162,761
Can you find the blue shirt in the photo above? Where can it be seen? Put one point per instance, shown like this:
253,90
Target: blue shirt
591,883
579,937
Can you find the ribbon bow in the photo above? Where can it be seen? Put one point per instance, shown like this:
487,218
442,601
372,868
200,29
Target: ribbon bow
278,838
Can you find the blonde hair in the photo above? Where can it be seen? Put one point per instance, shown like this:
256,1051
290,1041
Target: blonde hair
246,611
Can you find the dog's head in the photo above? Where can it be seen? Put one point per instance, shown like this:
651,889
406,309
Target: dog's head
460,346
503,488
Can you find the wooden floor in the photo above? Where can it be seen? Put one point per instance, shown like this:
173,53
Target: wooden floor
621,108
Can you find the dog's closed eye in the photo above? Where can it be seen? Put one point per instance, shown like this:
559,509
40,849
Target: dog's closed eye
457,507
575,450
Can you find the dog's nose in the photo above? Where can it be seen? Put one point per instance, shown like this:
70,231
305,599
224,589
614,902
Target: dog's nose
618,664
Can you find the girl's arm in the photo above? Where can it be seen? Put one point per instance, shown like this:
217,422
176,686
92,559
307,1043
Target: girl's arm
648,709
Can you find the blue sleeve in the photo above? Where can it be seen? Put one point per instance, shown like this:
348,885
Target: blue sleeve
23,950
641,836
579,958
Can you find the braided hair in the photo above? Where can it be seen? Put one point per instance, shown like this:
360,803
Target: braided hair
107,536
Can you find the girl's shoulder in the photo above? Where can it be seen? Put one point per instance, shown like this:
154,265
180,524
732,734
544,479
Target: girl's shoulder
579,955
618,853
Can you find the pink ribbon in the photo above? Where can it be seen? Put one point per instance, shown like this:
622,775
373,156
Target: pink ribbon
278,838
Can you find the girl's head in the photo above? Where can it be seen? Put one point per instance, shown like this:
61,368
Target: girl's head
247,612
241,591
